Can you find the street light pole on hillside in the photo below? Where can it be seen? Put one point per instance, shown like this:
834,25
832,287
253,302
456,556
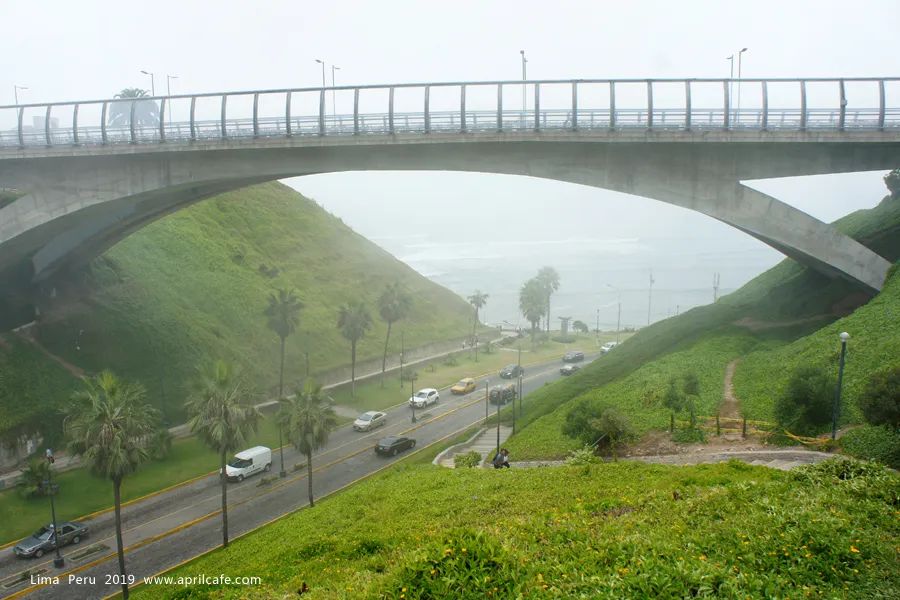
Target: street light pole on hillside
835,413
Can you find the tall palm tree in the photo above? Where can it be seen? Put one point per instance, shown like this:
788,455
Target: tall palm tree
308,419
393,304
353,321
108,424
146,112
549,280
532,302
282,318
478,300
223,416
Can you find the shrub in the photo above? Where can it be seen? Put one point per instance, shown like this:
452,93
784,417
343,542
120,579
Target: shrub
451,361
892,181
613,430
881,443
583,456
470,459
880,400
160,444
578,422
33,476
806,404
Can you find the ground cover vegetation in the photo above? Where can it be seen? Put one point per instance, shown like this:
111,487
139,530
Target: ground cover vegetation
615,530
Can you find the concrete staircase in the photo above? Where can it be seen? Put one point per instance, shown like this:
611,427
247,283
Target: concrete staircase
484,442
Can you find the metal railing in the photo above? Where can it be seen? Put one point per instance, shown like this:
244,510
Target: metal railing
555,105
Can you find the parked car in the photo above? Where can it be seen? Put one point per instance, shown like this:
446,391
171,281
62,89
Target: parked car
248,462
573,356
501,394
463,387
569,369
608,346
43,540
511,371
424,397
369,421
391,446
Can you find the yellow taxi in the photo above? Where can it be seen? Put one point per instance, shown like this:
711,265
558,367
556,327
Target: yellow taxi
463,387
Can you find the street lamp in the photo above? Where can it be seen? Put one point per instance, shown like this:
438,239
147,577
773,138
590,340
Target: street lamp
524,78
169,79
152,82
322,62
16,89
487,383
730,59
52,488
401,359
649,296
499,402
738,114
619,317
835,413
333,109
412,394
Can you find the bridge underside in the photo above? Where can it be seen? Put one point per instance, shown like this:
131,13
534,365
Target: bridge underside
76,207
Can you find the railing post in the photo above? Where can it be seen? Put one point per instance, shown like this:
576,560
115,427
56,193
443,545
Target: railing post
391,111
322,112
47,126
499,107
427,109
131,124
881,105
574,106
224,112
687,105
612,104
75,125
162,120
462,108
102,122
727,113
256,114
356,111
649,104
193,122
287,114
765,106
21,132
802,105
843,115
537,107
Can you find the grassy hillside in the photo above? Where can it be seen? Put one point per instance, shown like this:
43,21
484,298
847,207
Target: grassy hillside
622,530
193,286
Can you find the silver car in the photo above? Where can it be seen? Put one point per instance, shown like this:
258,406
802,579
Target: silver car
42,541
369,421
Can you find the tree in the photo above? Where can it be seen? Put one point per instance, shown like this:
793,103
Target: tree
393,304
880,400
222,415
282,318
108,424
33,477
580,326
308,419
892,181
691,389
806,404
146,112
353,321
478,300
549,280
613,430
674,401
532,303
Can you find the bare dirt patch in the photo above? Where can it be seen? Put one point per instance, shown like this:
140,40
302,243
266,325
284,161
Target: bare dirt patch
656,443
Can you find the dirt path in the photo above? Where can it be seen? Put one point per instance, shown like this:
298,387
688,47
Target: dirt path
730,407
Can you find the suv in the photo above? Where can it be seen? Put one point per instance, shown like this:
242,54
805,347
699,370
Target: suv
573,356
608,346
511,371
424,397
501,394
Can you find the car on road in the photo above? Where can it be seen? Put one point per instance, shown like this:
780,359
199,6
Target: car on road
43,540
393,445
501,394
511,371
463,387
424,397
369,420
248,462
569,369
573,356
608,346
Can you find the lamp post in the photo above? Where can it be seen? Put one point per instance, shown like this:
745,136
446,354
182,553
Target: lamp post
649,296
499,402
730,59
524,78
401,359
412,394
333,103
487,384
51,491
738,114
835,413
152,82
16,89
322,62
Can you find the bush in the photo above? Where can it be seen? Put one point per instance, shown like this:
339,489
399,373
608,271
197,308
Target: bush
160,444
578,422
806,404
880,401
33,477
470,459
870,442
613,429
583,456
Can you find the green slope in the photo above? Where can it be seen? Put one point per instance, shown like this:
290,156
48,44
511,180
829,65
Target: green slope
192,287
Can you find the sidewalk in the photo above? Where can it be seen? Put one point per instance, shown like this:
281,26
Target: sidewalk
484,443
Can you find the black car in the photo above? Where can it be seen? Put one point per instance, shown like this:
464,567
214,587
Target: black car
511,371
391,446
42,541
569,369
573,356
501,394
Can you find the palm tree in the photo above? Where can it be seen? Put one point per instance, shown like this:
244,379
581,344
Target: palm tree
308,419
108,424
549,280
146,112
282,318
478,300
393,304
223,416
532,303
353,321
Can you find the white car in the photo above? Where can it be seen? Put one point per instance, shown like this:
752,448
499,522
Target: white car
607,347
424,397
369,421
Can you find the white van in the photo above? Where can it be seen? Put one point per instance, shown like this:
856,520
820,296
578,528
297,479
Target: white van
248,462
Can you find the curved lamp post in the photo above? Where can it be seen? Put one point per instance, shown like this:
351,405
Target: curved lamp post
835,413
52,488
412,394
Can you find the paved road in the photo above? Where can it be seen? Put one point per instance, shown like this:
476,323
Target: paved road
171,527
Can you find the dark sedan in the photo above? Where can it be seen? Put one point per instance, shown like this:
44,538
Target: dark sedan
42,541
391,446
568,369
573,356
511,371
